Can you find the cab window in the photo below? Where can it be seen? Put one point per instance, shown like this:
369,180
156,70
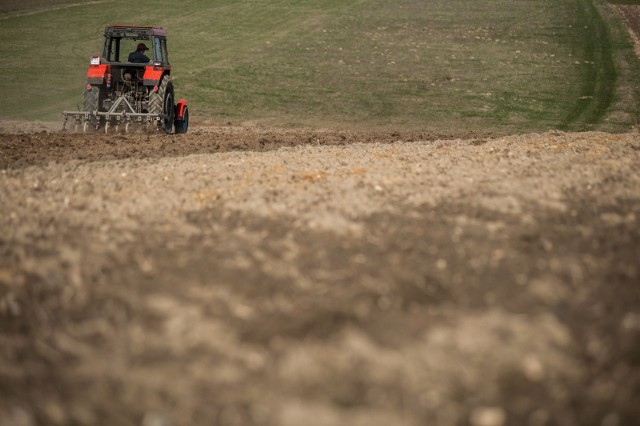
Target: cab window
157,50
164,52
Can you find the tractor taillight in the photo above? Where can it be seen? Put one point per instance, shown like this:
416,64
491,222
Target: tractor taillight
88,87
155,88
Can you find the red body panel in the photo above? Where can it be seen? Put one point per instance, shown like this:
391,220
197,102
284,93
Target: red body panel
97,71
152,75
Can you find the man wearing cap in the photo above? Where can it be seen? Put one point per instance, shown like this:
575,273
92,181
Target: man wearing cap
138,57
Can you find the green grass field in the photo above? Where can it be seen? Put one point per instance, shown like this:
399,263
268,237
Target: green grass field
442,65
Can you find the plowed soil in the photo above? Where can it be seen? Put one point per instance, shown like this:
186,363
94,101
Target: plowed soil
43,145
243,276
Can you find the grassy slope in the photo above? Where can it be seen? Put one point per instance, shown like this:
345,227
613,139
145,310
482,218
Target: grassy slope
507,65
12,7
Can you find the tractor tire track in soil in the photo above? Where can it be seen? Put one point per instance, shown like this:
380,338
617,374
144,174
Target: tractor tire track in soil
244,276
630,15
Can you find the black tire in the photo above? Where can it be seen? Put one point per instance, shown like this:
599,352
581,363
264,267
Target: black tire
92,103
183,125
91,98
161,102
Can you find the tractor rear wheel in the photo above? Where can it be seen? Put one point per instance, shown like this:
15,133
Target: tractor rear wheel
161,102
93,97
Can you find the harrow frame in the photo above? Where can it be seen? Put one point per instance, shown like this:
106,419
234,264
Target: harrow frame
112,117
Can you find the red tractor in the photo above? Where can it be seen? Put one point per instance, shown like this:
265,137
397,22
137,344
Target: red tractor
120,94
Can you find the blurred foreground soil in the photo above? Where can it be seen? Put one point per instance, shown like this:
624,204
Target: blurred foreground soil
245,276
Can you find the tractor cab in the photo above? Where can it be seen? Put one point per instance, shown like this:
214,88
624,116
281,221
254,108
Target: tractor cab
120,41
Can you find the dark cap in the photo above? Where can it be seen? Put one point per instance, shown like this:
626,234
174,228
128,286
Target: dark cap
142,46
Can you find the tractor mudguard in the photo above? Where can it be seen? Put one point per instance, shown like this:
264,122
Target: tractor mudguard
152,75
96,73
180,107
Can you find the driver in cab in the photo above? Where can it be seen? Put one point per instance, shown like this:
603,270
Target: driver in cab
138,57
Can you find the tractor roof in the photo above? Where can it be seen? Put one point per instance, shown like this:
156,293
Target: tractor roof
133,31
